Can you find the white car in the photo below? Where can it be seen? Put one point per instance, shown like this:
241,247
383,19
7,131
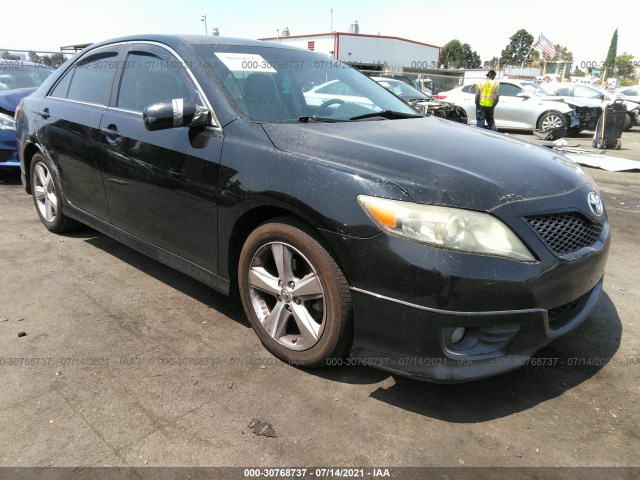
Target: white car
334,93
421,102
521,107
629,93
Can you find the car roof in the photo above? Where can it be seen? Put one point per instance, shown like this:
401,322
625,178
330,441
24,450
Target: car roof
177,41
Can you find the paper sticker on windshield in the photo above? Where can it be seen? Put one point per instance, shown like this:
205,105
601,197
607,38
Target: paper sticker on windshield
245,62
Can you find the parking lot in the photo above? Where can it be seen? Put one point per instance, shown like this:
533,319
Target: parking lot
126,362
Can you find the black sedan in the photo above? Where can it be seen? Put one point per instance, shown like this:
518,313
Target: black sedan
354,230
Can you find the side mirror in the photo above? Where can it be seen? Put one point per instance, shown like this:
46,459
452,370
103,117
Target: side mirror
173,114
523,95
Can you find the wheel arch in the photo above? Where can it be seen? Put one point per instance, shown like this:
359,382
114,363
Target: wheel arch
253,218
28,153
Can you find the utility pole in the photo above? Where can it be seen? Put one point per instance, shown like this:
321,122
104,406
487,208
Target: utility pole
204,19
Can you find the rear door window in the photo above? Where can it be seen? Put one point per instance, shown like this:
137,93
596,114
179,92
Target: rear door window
509,90
89,80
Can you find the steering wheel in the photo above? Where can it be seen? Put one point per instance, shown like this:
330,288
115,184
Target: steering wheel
326,104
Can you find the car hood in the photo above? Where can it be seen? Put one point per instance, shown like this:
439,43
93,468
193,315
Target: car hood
436,161
576,101
9,99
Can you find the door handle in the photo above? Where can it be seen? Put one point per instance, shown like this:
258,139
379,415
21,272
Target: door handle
111,132
44,113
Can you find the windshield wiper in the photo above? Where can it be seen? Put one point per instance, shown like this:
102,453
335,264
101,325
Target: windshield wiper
389,114
305,119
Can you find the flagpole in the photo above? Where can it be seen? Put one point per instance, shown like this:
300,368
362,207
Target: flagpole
525,59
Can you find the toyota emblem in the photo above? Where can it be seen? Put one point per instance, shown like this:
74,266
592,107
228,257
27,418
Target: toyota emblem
595,204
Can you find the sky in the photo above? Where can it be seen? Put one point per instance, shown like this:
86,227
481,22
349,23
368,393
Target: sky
584,26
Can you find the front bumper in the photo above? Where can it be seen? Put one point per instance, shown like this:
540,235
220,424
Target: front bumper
8,150
585,118
414,341
409,299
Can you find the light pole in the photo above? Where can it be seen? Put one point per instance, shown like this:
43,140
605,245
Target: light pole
204,19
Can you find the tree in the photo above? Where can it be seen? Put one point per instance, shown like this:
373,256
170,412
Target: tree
34,57
519,47
471,57
458,55
625,70
7,56
578,73
562,54
610,62
53,60
56,59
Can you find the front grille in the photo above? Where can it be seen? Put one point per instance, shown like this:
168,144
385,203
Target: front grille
566,232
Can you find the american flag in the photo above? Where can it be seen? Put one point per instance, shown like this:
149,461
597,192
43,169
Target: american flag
545,46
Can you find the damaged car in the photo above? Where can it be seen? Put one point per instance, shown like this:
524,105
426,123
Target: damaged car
422,102
519,108
588,99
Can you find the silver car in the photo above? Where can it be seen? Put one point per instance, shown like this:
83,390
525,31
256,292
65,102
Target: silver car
629,93
521,107
570,92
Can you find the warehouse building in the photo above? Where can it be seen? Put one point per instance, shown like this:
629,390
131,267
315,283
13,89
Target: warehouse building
368,52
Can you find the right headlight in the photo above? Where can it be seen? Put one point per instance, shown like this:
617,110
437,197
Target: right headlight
445,227
6,122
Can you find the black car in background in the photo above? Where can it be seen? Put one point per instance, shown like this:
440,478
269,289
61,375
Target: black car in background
358,227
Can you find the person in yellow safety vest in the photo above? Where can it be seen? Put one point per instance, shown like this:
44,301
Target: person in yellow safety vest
487,96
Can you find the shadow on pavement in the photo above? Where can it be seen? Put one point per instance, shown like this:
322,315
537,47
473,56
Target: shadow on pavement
10,176
229,307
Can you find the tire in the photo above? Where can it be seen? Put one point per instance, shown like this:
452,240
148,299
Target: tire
550,120
618,144
294,294
47,197
628,123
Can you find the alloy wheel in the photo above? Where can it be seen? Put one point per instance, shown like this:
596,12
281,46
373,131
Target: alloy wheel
45,193
550,122
287,296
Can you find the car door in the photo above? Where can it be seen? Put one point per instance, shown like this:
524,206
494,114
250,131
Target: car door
513,111
161,185
70,127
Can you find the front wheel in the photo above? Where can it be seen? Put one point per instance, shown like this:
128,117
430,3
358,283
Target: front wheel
294,294
628,122
47,196
550,121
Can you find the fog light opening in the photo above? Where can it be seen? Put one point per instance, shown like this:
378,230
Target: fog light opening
457,335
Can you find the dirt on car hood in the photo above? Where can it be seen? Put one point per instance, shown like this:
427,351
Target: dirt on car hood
437,161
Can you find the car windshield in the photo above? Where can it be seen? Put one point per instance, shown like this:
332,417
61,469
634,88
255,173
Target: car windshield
401,89
271,84
18,75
